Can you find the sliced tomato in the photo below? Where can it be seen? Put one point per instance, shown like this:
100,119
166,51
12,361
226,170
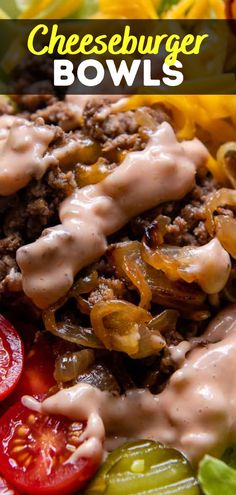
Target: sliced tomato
11,357
6,489
34,450
37,377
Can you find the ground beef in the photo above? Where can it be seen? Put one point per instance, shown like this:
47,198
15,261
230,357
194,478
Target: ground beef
119,130
59,113
100,124
31,102
184,219
125,142
61,181
34,208
10,244
23,217
7,262
25,214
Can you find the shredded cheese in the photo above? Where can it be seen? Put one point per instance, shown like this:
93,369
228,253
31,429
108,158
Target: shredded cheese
137,9
179,10
215,114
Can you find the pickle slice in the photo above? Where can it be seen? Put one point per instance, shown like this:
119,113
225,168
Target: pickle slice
144,467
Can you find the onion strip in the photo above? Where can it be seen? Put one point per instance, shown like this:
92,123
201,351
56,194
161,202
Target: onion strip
226,165
192,264
124,327
223,226
187,299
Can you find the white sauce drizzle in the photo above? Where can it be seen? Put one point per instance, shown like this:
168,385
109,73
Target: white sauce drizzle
92,440
209,265
6,122
24,154
196,413
164,171
178,352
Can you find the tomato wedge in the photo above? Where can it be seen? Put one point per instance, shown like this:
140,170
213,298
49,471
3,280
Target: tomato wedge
34,449
37,376
11,357
6,489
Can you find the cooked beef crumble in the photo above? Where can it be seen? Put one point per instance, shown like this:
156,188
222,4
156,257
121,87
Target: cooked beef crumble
184,219
23,217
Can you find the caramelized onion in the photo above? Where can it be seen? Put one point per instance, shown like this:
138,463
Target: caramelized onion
164,321
223,226
116,324
84,305
226,233
67,330
100,376
128,261
191,264
180,295
222,197
72,364
134,272
84,285
187,299
226,157
151,338
124,327
144,119
172,260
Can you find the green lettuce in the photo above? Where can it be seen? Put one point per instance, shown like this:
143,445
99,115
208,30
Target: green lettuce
89,8
165,5
216,477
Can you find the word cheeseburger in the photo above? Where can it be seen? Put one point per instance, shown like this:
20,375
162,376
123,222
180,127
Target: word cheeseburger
115,59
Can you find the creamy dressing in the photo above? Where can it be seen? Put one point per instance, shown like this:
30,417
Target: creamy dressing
23,153
92,440
196,412
209,265
23,146
164,171
6,122
178,352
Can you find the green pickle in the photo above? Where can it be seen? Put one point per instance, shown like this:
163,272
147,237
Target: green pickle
144,467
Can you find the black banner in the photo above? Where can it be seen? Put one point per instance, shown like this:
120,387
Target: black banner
118,57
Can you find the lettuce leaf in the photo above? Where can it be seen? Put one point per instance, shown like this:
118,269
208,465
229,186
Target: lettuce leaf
165,5
216,478
89,8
